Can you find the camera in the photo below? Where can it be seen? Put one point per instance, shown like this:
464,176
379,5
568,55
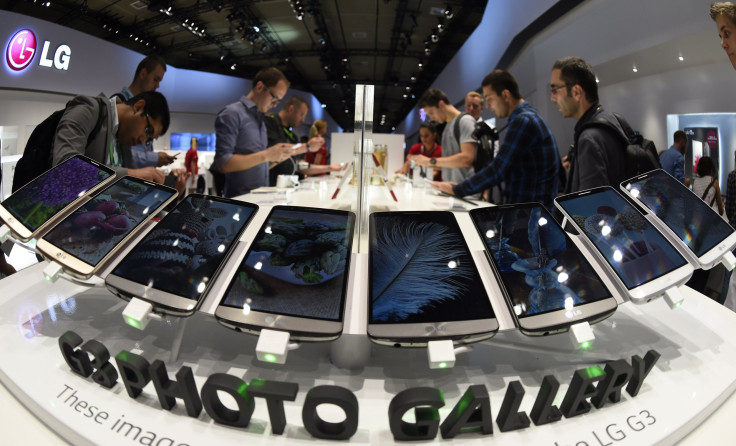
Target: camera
484,130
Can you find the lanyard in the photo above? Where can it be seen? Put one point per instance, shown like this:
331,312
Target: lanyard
289,133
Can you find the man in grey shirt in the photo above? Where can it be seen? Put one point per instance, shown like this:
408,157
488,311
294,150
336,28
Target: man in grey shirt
458,150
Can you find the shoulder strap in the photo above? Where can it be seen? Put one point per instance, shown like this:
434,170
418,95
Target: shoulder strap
102,103
707,189
457,127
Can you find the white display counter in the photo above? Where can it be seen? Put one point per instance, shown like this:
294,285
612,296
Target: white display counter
694,376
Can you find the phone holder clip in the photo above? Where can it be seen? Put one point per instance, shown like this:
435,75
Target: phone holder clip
441,354
273,346
138,313
729,260
674,297
52,271
4,233
581,335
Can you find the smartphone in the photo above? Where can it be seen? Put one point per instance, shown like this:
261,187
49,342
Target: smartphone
88,238
296,146
684,218
423,282
173,266
42,202
641,261
548,283
294,275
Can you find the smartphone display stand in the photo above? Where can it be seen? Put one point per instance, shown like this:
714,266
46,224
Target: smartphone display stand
4,233
728,260
441,354
52,271
581,335
674,297
273,346
138,313
352,349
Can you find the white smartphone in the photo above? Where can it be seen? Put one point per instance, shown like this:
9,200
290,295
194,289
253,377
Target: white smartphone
41,203
640,260
173,266
423,282
548,283
683,217
294,276
296,146
88,238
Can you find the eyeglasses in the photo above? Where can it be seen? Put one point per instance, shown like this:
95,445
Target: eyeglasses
274,99
149,128
553,88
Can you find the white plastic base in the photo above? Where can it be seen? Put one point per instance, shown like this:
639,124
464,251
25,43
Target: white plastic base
581,335
4,233
729,261
273,346
674,297
137,313
52,271
441,354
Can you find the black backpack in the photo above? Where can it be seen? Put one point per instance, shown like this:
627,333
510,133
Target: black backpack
641,153
38,155
484,152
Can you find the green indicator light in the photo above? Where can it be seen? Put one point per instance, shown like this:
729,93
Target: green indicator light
678,304
442,365
47,277
269,357
132,322
585,345
594,371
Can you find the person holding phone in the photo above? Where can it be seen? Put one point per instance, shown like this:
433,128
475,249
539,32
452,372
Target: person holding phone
426,146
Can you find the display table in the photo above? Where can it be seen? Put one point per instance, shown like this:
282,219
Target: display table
695,374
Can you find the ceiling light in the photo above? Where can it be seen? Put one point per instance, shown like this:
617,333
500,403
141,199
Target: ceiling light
233,66
681,58
635,70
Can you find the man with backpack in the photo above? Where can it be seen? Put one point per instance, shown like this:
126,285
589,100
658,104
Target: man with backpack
527,159
598,156
99,128
458,145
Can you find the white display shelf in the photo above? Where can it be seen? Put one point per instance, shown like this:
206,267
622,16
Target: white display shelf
696,373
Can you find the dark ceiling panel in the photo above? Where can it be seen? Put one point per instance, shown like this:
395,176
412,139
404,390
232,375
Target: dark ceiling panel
334,46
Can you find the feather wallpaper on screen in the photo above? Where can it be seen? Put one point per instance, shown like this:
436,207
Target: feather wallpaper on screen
419,268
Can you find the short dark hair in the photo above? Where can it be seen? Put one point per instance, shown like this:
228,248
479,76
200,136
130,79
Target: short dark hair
156,107
706,167
429,125
296,101
680,136
500,80
727,9
432,98
270,77
576,71
150,63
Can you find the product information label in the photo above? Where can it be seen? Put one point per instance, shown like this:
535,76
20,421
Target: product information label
623,431
119,426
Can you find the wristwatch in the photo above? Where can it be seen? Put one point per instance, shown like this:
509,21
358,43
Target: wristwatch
433,161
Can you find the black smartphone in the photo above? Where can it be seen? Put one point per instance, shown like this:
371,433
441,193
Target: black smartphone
641,261
45,200
88,238
683,217
548,283
294,276
173,266
423,282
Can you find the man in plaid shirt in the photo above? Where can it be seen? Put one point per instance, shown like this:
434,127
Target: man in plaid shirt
527,160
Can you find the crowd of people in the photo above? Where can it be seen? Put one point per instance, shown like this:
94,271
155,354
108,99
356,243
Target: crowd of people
253,147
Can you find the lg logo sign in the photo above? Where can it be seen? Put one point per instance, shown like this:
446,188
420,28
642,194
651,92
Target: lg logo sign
23,47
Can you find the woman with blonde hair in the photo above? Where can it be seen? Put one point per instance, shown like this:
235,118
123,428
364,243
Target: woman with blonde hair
318,157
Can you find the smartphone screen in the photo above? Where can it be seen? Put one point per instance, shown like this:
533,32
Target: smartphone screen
95,229
695,223
423,282
547,281
174,264
294,275
38,202
634,249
